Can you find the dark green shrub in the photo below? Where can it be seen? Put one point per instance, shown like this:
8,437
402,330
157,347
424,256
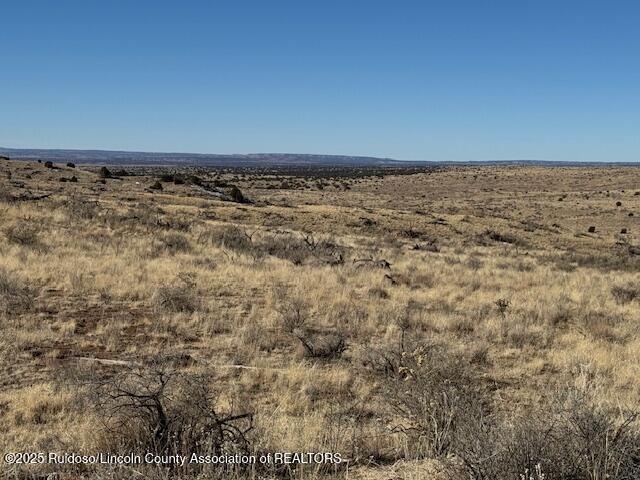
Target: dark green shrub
236,195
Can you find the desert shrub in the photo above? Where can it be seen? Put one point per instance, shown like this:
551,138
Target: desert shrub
430,245
71,165
15,296
232,238
236,239
432,393
626,293
194,180
156,186
236,195
621,258
155,408
82,209
293,311
104,172
154,217
174,222
48,164
293,248
174,242
321,345
5,196
561,312
378,293
298,249
474,263
293,315
489,236
180,179
23,233
286,248
179,296
601,324
566,436
601,443
413,278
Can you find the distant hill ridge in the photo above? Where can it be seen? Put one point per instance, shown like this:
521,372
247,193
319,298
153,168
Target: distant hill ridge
115,157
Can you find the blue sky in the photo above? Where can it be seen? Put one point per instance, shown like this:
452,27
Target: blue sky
446,80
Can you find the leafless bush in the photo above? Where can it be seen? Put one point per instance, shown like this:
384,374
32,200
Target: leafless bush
174,242
153,217
179,296
298,249
232,240
474,263
157,409
23,233
15,296
626,293
5,196
566,437
237,239
432,394
293,311
321,345
82,209
176,222
286,246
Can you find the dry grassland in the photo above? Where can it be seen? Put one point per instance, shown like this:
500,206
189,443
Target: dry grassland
462,322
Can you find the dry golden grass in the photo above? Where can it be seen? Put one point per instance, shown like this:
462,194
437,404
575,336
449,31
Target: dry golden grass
116,271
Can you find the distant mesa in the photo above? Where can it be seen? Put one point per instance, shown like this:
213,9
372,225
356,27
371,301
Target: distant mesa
116,157
107,157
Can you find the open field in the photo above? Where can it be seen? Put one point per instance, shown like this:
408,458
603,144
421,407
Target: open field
446,323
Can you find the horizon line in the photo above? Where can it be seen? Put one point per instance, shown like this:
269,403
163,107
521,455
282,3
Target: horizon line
249,154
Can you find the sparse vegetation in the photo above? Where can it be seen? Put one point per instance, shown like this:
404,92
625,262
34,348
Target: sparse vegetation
420,323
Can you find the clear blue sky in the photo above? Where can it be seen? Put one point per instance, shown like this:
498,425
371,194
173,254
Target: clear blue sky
445,80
